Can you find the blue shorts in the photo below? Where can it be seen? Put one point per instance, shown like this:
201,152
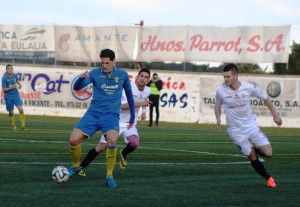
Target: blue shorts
10,101
90,123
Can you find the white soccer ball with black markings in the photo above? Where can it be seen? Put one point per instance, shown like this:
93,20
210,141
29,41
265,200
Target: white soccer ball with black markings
60,174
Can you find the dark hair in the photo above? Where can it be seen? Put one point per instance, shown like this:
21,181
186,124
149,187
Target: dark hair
231,67
146,70
155,74
8,65
107,53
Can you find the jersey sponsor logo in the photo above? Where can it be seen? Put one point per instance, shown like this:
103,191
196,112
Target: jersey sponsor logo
102,76
104,86
238,106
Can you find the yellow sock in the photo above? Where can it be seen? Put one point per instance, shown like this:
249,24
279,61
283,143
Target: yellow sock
111,156
22,119
75,155
12,121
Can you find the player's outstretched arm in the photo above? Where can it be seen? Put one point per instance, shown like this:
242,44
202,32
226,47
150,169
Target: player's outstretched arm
131,104
82,81
277,119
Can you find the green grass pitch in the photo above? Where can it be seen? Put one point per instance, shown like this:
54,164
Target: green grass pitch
176,165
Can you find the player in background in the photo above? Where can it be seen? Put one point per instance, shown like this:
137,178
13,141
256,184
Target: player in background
10,86
104,111
141,93
242,128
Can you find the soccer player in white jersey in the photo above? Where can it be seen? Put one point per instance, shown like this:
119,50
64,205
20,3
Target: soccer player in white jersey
140,93
242,128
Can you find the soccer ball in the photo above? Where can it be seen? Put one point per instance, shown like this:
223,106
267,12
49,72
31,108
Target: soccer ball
60,174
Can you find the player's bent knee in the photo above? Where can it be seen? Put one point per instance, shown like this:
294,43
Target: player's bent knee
134,141
73,142
266,151
268,154
76,138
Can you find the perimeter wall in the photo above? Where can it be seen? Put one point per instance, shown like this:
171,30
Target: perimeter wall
186,97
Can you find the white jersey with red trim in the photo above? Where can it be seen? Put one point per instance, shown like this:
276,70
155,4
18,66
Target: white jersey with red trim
239,116
139,97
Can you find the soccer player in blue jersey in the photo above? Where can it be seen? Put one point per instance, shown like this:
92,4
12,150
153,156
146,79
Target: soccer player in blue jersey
131,136
103,113
10,86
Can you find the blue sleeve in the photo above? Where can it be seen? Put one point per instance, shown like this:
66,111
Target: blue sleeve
81,83
16,77
131,105
130,100
4,83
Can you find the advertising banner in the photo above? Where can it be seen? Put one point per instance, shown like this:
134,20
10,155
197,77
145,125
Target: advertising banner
83,44
260,44
185,97
19,42
255,44
283,92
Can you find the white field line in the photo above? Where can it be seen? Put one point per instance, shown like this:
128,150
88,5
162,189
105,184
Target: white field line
147,148
135,163
64,142
150,148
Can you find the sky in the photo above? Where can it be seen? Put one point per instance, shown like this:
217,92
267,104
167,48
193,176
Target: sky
154,13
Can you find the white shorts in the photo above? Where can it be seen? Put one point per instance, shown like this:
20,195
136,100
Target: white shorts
245,141
125,133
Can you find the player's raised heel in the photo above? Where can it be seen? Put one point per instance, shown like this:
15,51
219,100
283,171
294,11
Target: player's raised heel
110,182
271,182
122,161
73,171
81,172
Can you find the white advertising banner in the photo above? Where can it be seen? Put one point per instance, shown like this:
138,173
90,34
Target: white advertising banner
83,44
159,44
284,92
20,42
47,91
185,97
256,44
179,98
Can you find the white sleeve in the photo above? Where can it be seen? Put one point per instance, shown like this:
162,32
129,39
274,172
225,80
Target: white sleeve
257,92
218,98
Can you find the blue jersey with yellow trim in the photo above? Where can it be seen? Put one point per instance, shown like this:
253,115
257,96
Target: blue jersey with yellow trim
8,81
107,89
